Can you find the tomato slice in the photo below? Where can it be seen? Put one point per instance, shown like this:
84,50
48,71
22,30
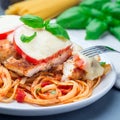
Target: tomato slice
65,88
8,23
45,83
78,61
20,95
28,58
43,48
4,35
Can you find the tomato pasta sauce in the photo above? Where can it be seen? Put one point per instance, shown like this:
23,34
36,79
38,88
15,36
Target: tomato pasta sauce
45,88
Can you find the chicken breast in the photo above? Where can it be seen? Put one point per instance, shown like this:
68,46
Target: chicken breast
6,50
24,68
71,71
81,67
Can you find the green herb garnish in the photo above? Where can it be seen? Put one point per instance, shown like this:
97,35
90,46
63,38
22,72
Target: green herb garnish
46,22
53,92
27,39
37,22
95,29
57,30
32,21
102,63
38,90
95,16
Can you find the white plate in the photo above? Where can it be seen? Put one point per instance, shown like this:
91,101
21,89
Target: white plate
23,109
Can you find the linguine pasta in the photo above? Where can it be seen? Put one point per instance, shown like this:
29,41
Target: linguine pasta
45,88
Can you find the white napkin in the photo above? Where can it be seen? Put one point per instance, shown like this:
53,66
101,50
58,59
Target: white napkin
115,59
117,83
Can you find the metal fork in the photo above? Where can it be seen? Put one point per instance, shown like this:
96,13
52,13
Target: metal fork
96,50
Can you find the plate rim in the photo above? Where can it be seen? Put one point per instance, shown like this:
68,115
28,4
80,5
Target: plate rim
36,111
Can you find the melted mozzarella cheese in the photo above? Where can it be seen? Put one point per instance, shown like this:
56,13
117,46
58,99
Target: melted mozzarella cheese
9,23
42,46
92,66
68,69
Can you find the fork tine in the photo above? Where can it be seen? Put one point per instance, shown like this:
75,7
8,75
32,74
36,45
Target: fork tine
95,50
90,50
90,53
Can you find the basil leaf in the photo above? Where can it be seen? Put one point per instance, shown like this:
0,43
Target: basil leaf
27,39
37,22
115,31
94,3
57,30
118,1
112,9
46,22
74,18
53,92
32,21
38,90
95,29
102,63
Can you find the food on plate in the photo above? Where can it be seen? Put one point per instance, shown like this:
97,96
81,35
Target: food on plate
7,25
41,66
37,22
96,16
43,8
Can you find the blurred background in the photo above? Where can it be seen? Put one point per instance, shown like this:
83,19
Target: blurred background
104,15
42,8
5,3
